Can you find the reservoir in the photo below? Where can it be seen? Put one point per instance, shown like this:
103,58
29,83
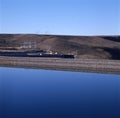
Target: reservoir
32,93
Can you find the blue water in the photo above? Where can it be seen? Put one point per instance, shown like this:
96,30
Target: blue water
28,93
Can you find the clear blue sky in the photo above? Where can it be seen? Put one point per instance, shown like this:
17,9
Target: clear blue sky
70,17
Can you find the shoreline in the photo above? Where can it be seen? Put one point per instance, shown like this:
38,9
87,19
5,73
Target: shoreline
74,65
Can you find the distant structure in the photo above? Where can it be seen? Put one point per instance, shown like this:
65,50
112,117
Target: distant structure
28,45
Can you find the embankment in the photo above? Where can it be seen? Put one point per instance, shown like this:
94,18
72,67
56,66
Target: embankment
82,65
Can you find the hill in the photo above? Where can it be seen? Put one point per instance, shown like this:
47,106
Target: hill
87,47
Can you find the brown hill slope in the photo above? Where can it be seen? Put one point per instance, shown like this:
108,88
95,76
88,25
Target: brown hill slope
89,47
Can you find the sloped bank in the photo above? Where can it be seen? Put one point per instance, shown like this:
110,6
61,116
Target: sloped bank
82,65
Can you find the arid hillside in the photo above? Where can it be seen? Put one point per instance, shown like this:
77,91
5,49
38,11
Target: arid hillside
87,47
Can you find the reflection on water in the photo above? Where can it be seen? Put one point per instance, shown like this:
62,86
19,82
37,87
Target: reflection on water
27,93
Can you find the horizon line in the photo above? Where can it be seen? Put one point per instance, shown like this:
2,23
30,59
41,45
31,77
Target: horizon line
61,34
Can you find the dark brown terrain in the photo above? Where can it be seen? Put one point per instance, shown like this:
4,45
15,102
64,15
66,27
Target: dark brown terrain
86,47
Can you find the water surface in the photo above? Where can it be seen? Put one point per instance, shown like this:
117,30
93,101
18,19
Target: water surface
29,93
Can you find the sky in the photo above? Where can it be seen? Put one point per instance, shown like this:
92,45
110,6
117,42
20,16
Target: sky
63,17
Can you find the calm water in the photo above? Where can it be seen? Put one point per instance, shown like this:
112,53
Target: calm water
28,93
